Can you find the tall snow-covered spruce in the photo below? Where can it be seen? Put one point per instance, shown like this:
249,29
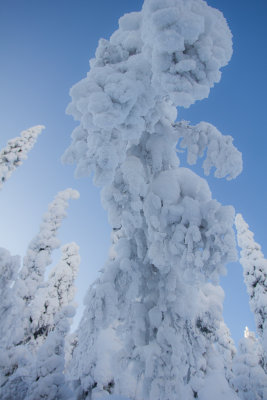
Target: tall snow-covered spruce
255,277
152,327
16,151
39,251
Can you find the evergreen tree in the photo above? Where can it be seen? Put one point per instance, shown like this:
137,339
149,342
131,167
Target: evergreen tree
33,314
153,320
255,277
16,151
250,379
38,255
56,301
31,282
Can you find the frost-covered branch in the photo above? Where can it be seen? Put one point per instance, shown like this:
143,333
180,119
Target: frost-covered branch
16,151
220,151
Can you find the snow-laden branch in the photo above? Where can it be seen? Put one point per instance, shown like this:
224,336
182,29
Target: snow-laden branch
220,151
16,151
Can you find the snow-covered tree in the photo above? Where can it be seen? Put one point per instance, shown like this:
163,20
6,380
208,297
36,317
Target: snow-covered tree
16,151
33,314
153,318
38,255
250,379
255,277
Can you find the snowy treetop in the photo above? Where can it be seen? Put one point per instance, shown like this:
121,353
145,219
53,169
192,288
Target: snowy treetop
169,54
16,151
39,251
187,42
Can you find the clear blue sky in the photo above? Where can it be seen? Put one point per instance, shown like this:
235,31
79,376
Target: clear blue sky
44,49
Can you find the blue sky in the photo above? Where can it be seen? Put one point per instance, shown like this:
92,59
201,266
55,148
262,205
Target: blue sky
45,47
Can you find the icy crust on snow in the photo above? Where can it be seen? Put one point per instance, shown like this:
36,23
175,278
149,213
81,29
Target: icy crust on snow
16,151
